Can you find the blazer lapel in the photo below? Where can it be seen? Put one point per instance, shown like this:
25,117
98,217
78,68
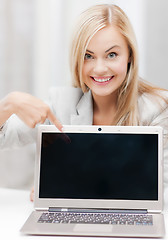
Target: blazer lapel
84,111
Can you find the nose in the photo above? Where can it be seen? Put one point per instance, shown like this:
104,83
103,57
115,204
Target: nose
100,67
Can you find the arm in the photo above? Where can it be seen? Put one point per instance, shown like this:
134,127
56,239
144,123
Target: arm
30,111
162,120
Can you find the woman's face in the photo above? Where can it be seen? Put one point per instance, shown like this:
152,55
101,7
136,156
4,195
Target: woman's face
106,61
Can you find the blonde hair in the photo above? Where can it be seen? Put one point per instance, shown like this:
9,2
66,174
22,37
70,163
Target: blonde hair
90,22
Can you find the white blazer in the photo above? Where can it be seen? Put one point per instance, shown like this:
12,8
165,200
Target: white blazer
72,107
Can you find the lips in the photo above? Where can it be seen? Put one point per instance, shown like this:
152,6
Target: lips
102,79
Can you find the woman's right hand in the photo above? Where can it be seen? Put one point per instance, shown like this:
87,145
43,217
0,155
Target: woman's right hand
28,108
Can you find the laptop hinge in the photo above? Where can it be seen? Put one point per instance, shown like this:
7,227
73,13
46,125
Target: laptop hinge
81,210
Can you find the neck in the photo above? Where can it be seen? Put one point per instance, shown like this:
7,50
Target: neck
104,104
104,110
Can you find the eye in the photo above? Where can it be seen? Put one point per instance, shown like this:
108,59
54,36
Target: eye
112,55
88,56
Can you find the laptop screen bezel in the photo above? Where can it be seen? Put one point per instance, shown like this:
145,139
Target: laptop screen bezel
45,203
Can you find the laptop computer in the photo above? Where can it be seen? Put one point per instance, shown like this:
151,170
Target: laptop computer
98,181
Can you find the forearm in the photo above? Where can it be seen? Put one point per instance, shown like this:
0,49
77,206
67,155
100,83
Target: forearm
6,109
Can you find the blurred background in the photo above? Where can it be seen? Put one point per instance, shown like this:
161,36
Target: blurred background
34,52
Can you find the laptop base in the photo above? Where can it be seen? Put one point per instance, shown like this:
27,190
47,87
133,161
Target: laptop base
32,227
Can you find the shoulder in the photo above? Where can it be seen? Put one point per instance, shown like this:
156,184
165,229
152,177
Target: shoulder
152,99
153,106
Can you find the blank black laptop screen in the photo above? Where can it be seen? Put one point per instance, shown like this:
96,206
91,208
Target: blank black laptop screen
99,166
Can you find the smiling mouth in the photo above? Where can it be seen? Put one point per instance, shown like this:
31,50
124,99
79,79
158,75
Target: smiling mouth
102,79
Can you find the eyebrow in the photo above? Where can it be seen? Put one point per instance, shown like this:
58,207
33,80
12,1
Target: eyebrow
111,48
105,51
89,51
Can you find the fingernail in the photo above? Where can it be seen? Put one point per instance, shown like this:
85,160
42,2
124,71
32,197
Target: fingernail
62,129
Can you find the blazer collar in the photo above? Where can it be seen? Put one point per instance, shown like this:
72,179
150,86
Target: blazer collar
84,111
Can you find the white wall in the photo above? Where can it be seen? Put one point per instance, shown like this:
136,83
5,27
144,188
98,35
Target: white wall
16,73
16,45
48,45
156,39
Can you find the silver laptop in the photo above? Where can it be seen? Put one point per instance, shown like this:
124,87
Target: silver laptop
98,181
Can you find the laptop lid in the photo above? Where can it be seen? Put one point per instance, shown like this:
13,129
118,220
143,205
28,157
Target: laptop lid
99,167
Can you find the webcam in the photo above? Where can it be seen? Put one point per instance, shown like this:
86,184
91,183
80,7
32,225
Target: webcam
99,129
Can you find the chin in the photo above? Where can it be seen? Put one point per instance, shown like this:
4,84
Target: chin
102,93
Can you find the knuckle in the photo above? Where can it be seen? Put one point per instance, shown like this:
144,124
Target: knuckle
33,123
47,109
44,116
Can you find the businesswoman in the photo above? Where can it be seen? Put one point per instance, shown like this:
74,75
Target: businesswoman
106,87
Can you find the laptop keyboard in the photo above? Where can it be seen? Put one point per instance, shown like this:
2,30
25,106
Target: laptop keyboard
96,218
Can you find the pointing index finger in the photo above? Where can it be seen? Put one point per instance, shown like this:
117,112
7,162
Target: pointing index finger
54,120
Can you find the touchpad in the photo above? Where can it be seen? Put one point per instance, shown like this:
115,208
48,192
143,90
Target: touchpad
90,228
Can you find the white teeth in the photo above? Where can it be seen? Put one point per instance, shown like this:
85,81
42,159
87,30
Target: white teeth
102,80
